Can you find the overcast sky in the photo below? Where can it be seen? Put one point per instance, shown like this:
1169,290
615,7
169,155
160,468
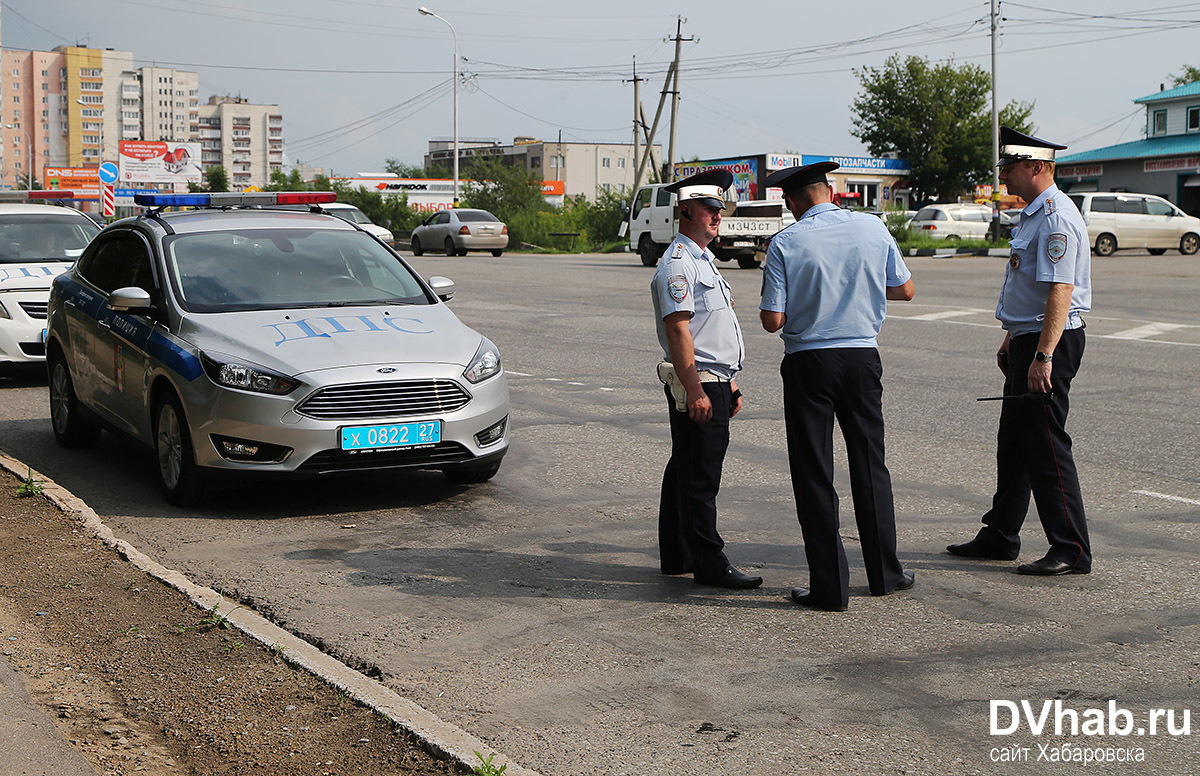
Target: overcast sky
360,81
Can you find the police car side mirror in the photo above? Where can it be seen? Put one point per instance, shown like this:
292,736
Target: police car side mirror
443,287
130,298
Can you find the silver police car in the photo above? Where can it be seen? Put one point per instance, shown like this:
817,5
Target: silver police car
239,340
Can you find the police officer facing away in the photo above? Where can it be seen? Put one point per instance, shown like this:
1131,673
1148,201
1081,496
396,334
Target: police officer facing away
1047,286
825,284
703,347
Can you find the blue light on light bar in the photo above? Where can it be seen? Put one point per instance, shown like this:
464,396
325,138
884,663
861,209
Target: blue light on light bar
172,200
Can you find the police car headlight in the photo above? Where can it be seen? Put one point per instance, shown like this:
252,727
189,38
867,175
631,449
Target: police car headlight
485,364
246,377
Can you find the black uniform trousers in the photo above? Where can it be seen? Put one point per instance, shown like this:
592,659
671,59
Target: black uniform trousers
819,385
1033,454
687,513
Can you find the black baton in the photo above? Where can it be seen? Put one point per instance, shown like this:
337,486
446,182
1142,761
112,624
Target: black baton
1036,398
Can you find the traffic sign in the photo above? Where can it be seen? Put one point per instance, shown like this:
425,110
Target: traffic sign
107,202
108,172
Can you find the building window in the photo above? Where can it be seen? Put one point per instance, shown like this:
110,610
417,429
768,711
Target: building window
1193,119
621,163
1160,122
45,87
606,186
606,162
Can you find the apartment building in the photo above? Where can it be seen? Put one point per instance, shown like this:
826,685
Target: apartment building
166,105
244,138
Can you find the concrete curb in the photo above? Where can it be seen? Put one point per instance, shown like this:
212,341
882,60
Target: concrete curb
438,737
951,253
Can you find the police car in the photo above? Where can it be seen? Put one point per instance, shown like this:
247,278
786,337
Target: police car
238,340
38,241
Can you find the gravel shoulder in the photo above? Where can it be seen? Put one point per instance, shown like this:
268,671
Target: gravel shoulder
139,680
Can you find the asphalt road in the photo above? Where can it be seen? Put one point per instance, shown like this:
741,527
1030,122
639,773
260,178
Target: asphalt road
529,611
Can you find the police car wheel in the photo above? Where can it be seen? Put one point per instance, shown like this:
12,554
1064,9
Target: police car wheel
1106,245
471,474
178,474
70,428
1189,244
416,247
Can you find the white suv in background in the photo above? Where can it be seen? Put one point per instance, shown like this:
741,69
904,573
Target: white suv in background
953,222
1118,221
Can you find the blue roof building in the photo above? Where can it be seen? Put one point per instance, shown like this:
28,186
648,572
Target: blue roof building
1166,162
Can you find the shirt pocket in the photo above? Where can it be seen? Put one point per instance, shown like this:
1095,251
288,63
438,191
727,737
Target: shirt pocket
709,294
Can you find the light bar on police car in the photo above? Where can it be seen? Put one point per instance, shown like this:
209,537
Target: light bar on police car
37,194
234,199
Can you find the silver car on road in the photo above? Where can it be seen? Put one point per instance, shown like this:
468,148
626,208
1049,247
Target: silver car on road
248,341
459,230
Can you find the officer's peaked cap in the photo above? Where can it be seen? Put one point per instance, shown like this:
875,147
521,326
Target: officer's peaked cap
791,178
707,187
1017,146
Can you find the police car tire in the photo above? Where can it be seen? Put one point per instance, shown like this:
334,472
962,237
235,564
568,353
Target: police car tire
1189,244
71,429
181,480
1106,245
471,474
416,247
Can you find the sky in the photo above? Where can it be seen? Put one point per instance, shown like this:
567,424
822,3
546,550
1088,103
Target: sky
362,81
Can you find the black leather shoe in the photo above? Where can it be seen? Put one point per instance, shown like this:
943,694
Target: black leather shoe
804,597
731,578
1049,567
981,548
907,580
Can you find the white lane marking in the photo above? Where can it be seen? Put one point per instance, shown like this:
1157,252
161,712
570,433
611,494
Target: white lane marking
943,315
553,379
517,374
576,383
1168,497
1149,330
608,389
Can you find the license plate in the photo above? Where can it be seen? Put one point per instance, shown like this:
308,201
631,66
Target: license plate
391,436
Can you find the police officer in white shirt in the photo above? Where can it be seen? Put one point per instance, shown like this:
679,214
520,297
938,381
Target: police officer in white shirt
703,350
1047,287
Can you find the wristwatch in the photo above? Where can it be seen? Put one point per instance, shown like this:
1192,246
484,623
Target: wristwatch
1040,356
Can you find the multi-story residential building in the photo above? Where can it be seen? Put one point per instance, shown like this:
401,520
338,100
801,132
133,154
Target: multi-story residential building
244,138
583,168
169,103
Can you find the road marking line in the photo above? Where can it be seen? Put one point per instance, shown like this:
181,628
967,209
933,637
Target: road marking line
1168,497
576,383
943,314
1149,330
553,379
517,374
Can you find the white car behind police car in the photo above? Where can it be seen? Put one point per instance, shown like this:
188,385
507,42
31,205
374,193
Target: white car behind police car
245,341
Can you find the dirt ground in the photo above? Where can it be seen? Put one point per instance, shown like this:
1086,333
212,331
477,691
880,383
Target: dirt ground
140,680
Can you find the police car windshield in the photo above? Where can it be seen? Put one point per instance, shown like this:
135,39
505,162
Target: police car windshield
50,237
278,269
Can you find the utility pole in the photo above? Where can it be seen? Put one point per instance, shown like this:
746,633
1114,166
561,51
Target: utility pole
637,181
668,165
637,118
995,131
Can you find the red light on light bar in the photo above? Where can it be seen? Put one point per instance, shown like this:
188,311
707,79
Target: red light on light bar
26,196
305,197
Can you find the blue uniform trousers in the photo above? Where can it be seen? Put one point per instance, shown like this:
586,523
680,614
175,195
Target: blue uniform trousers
1033,454
819,385
687,514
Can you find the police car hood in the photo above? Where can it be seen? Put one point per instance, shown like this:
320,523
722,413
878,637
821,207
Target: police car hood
30,275
306,340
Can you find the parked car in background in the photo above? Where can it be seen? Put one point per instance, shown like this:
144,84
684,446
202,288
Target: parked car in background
1118,221
347,212
459,230
1009,219
238,341
38,241
952,222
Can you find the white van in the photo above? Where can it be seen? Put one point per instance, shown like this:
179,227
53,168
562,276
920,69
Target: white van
1117,221
953,222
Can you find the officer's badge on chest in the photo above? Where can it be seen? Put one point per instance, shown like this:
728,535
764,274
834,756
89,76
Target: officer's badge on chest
1014,260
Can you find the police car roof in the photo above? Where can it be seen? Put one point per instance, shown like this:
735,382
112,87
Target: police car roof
18,208
215,220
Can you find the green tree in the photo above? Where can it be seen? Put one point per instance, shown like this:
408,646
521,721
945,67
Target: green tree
291,182
511,194
936,117
1186,75
216,179
390,211
403,170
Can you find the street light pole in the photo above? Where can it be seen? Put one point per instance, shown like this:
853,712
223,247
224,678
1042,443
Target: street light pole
426,12
29,159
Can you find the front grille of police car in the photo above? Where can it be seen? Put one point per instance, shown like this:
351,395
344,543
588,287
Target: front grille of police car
384,400
34,309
